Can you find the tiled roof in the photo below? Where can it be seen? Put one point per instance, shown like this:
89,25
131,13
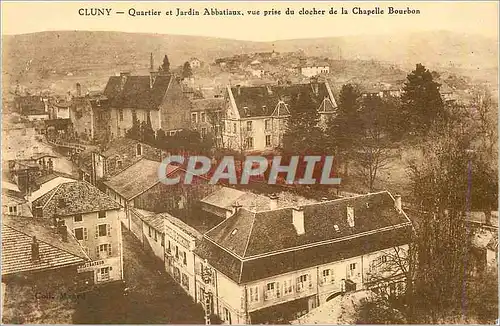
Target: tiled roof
51,176
136,92
119,146
17,236
208,104
262,100
258,239
136,179
224,197
48,186
75,198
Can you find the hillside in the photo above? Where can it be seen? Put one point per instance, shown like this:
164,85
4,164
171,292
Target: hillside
92,56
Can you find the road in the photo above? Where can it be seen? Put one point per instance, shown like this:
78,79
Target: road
153,296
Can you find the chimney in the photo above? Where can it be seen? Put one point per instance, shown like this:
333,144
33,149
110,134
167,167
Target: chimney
235,208
273,203
298,219
35,250
397,203
63,231
78,90
124,76
487,215
350,216
152,78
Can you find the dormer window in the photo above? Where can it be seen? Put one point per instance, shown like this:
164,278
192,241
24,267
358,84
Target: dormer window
234,232
336,227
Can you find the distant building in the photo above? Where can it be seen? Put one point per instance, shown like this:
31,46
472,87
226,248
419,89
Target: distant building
273,266
93,219
256,117
156,99
195,63
32,106
13,201
206,117
314,70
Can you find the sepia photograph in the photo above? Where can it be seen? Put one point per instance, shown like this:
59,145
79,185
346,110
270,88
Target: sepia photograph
249,162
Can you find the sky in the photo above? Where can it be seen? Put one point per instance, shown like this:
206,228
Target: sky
463,17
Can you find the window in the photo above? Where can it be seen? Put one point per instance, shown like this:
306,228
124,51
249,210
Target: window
328,277
134,115
184,259
185,281
163,240
119,164
156,236
249,125
271,290
202,117
102,214
104,250
268,140
168,247
176,252
119,132
120,114
78,232
383,259
287,286
234,128
226,315
267,124
203,132
78,218
249,142
194,117
12,209
104,274
302,282
352,266
253,293
103,230
138,150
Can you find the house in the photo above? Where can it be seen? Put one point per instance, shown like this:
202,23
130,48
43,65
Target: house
173,241
314,70
195,63
33,250
46,183
13,200
256,117
157,99
276,265
32,106
119,154
484,226
447,93
93,219
206,116
139,186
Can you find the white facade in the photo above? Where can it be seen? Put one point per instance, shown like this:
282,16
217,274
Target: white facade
314,70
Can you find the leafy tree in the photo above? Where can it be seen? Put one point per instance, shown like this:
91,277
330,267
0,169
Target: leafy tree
147,133
161,139
421,101
303,135
187,72
165,67
135,131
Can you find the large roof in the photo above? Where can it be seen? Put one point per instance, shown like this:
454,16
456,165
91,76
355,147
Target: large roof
119,146
17,236
75,197
252,245
262,100
136,91
137,178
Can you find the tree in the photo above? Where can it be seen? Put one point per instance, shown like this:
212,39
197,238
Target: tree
165,67
303,135
187,72
135,131
421,101
161,139
446,186
485,112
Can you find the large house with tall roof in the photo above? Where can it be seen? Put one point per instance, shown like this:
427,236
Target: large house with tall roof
93,218
157,99
270,266
256,117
